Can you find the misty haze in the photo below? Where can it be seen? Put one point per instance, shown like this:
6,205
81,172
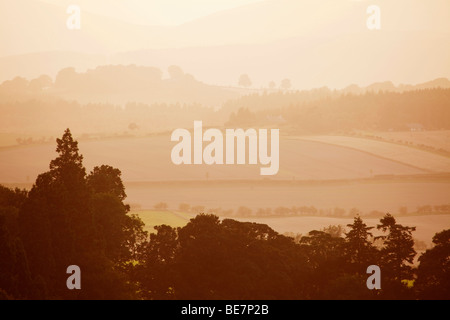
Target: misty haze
90,119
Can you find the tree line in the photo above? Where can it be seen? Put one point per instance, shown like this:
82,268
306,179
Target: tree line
298,211
71,217
332,112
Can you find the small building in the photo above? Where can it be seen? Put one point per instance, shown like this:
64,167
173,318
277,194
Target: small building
415,126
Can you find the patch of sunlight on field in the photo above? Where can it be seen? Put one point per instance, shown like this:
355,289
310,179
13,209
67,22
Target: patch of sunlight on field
155,218
407,155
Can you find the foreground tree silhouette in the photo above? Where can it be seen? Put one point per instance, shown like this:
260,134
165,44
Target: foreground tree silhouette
213,259
54,218
433,280
15,277
396,256
326,258
106,179
359,249
69,219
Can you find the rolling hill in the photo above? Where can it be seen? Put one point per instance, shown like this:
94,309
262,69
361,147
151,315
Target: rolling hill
148,159
314,43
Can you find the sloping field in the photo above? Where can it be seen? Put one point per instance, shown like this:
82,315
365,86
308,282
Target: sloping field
403,154
148,159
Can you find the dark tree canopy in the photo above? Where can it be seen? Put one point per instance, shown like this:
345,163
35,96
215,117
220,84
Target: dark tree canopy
106,179
227,259
359,248
398,249
68,154
71,219
433,280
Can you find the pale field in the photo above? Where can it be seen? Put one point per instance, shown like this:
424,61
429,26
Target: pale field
383,196
148,159
403,154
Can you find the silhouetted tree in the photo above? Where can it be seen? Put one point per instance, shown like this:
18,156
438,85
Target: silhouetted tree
272,85
396,257
244,81
210,259
398,248
15,277
326,258
71,219
161,206
156,270
433,281
359,249
106,179
175,72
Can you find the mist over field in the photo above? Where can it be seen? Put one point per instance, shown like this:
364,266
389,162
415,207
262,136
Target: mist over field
87,117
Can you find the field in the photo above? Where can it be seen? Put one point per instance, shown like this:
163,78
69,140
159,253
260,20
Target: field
327,173
384,196
156,218
148,159
403,154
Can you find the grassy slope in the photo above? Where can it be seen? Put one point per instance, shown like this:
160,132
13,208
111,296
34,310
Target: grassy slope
155,218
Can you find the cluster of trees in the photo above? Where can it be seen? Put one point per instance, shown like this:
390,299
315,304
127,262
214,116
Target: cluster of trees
213,259
326,111
95,119
70,217
245,81
299,211
121,84
428,209
139,100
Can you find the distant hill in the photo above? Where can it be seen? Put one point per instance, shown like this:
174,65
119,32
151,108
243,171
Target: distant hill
119,84
312,43
443,83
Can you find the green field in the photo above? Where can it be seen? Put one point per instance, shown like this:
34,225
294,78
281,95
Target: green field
155,218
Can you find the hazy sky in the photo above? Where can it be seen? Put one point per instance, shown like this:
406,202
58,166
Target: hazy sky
312,42
154,12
